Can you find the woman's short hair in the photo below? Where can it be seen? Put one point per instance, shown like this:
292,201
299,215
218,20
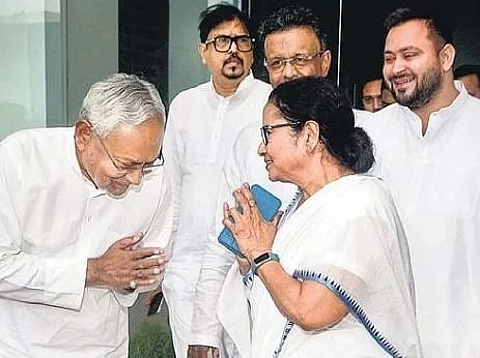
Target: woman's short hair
121,99
317,99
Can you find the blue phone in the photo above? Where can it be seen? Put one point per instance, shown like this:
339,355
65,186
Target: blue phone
267,203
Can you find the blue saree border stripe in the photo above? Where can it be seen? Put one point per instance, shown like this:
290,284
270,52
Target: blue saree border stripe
353,306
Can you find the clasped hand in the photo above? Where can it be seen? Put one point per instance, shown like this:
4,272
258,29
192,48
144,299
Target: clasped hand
123,264
254,235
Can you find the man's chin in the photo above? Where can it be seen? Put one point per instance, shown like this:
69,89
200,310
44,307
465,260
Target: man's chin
233,74
117,191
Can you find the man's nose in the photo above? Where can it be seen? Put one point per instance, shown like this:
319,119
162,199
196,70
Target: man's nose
290,72
233,47
377,104
135,176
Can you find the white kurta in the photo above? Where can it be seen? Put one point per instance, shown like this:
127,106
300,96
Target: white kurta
348,231
435,181
244,165
51,220
201,129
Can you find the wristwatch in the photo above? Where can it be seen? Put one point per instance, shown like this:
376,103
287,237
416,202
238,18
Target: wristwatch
263,259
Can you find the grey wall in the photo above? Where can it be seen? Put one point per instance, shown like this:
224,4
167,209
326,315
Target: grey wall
91,47
185,67
22,64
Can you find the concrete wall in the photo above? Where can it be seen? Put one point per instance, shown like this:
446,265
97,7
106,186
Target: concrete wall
185,67
91,47
22,62
52,50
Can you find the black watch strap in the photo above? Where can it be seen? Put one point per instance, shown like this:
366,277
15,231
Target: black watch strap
263,259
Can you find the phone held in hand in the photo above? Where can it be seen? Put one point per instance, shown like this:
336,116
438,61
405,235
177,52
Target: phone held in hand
268,205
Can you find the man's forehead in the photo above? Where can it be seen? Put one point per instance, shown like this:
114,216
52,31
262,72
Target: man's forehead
299,40
373,87
412,33
228,27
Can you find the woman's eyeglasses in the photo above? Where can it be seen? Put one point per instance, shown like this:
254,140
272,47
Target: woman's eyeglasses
267,129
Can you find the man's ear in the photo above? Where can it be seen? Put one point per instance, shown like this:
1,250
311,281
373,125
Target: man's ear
447,56
201,48
83,134
326,62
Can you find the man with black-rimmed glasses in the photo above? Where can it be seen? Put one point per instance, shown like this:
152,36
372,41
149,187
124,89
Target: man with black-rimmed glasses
294,44
202,125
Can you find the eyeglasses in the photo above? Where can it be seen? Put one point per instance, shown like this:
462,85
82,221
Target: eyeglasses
267,129
145,168
223,43
278,64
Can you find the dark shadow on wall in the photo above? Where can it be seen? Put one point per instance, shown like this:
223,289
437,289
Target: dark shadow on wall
362,33
143,41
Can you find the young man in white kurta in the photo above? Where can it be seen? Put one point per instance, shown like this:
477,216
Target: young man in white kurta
434,179
428,152
202,125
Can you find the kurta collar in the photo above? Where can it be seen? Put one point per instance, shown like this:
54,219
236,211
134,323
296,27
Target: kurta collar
75,165
245,84
440,119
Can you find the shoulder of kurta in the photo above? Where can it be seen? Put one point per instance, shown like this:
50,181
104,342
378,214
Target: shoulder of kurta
184,101
376,124
23,143
364,196
190,94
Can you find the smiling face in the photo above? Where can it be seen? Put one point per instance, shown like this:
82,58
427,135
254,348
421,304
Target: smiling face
116,162
233,65
412,64
282,153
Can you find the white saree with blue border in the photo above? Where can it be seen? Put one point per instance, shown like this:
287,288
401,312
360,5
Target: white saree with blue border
347,237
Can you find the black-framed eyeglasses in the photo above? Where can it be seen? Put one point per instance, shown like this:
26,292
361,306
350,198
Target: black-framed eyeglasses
223,43
145,168
278,64
267,129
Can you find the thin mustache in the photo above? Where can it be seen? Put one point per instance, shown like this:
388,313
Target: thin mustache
231,57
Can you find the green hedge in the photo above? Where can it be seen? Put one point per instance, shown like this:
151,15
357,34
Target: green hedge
151,339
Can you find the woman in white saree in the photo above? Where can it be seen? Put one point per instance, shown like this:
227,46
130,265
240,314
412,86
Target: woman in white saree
335,279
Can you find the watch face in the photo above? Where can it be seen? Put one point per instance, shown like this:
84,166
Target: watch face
260,258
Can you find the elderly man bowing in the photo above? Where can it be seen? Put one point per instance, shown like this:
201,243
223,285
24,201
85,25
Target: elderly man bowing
85,213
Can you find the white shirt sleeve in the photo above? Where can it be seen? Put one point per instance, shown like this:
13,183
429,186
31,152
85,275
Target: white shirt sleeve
56,281
173,153
217,260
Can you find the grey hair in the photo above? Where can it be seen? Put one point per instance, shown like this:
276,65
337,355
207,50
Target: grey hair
120,99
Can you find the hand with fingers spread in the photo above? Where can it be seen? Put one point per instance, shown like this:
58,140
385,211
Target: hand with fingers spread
123,266
254,235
